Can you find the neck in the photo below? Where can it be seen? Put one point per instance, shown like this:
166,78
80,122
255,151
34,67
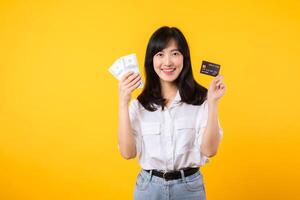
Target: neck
168,90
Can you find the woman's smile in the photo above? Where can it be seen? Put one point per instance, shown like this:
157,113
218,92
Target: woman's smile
168,71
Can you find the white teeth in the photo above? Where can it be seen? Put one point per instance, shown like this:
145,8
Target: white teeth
168,70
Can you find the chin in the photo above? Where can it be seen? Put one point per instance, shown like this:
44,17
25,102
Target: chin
168,79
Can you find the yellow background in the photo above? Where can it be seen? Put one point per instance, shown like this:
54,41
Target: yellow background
58,102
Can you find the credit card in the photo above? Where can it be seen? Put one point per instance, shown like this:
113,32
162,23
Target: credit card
210,68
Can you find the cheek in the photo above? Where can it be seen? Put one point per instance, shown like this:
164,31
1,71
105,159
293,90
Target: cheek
156,64
179,62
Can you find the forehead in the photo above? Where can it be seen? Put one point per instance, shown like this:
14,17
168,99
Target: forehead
172,45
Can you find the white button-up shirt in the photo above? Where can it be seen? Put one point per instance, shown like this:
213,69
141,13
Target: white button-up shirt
170,139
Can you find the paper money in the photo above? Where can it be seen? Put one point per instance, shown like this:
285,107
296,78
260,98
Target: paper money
123,65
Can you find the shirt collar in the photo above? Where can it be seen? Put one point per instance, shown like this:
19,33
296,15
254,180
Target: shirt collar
176,100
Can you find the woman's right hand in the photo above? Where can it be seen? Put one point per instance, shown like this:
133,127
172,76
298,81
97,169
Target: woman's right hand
127,84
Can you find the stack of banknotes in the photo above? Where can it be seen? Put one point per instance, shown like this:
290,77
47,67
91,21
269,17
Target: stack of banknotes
123,65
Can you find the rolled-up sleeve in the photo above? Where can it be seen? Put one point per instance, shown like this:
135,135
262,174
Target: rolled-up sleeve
203,118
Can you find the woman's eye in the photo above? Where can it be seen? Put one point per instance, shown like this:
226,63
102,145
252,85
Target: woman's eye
159,54
176,53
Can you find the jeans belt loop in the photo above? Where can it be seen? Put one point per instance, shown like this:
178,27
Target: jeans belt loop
164,175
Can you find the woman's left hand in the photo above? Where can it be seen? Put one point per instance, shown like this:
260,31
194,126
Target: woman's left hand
216,89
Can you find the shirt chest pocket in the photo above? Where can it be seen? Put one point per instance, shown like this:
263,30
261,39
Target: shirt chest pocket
151,133
185,135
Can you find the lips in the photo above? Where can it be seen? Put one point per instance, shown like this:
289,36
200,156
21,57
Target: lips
168,71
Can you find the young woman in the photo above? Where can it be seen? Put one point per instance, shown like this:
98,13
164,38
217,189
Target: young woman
173,125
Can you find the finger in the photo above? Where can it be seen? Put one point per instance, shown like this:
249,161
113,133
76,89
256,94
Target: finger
126,75
219,83
130,78
134,81
218,87
217,79
136,85
223,87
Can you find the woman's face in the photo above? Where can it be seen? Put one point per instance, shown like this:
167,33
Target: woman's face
168,63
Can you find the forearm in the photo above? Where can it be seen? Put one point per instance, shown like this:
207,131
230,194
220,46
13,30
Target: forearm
125,137
211,137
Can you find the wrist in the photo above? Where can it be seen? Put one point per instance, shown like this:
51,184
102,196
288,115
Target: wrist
213,103
123,104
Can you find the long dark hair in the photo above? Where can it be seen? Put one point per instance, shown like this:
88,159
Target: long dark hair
190,91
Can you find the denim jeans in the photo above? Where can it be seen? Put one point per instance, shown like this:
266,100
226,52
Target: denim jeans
149,187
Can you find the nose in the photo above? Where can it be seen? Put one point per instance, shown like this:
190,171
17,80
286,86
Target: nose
167,61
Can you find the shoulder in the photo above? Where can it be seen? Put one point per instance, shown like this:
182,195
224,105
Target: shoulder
202,106
134,105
